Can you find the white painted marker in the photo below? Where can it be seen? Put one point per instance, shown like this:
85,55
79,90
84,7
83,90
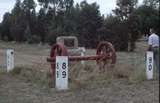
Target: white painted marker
61,72
10,59
149,64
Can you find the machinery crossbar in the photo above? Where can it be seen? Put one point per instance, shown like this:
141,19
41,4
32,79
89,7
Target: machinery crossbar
79,58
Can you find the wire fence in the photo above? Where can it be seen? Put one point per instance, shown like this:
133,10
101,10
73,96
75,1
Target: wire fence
127,63
136,60
35,56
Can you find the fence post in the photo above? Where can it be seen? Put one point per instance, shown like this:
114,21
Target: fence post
10,59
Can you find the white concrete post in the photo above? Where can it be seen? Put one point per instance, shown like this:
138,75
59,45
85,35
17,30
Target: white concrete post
61,72
10,59
149,65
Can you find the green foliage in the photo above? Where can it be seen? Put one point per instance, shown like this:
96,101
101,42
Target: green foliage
5,29
27,33
17,22
41,23
60,17
116,32
151,3
16,71
28,4
90,21
34,39
148,17
125,12
124,8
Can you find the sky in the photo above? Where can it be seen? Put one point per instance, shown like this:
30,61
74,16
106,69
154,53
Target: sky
106,6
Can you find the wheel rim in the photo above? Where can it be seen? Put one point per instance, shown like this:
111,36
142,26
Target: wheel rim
57,50
106,48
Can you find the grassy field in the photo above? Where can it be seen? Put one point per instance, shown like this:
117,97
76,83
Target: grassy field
31,82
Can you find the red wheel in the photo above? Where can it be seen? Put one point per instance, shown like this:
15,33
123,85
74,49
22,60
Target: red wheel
57,50
107,49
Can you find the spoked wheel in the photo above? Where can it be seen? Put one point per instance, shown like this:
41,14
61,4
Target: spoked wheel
106,49
57,50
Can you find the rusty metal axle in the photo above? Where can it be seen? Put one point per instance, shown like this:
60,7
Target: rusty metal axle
79,58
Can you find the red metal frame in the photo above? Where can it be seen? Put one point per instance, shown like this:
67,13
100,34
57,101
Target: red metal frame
101,55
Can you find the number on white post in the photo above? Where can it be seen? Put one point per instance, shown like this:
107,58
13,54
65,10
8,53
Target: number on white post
61,72
149,64
10,60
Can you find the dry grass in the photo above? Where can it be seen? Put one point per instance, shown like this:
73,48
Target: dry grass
31,80
39,78
31,63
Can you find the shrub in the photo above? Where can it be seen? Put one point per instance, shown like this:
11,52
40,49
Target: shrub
34,39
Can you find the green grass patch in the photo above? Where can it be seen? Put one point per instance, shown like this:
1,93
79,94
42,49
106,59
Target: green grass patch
16,71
